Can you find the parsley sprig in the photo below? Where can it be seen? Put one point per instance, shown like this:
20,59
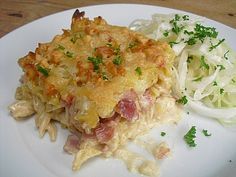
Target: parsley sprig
205,132
96,61
203,63
200,33
42,70
216,45
163,133
176,27
138,71
182,100
117,60
190,136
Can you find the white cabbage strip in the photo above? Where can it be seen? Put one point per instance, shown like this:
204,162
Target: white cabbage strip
205,66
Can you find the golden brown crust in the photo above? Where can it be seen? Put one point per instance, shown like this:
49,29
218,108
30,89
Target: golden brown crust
97,61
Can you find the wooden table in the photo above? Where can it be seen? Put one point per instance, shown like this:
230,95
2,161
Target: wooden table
15,13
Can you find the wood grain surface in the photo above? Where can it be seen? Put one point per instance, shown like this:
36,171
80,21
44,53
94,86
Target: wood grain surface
15,13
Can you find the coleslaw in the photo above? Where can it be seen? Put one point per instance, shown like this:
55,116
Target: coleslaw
205,68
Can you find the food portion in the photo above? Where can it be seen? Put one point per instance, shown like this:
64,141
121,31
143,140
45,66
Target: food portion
105,84
205,66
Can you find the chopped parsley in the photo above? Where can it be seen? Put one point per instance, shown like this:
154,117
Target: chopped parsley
176,28
215,83
198,79
117,60
222,91
104,76
190,58
132,45
60,47
233,81
214,46
74,39
166,33
203,63
205,132
173,42
138,71
182,100
226,54
96,61
185,17
163,133
108,44
42,70
200,33
117,50
191,41
221,67
69,54
190,136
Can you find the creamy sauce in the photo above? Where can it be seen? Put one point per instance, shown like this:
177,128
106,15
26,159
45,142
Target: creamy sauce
162,112
158,150
137,163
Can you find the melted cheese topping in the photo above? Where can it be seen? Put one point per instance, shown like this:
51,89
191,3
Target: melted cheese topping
97,61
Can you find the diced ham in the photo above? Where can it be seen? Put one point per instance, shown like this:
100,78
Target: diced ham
127,107
104,132
72,144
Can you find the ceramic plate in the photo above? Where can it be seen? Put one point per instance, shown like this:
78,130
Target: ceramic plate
23,153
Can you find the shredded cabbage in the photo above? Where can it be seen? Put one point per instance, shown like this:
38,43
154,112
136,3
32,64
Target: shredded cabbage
206,66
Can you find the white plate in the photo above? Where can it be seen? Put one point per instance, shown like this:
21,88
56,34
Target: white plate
23,154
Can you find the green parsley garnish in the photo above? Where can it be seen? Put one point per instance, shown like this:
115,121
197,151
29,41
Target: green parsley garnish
138,71
163,133
185,17
176,29
214,46
203,63
191,41
205,132
104,76
69,54
233,81
172,43
74,39
60,47
198,79
200,33
226,54
117,50
190,58
117,60
108,44
215,83
182,100
222,91
190,136
221,67
42,70
132,45
96,62
166,33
